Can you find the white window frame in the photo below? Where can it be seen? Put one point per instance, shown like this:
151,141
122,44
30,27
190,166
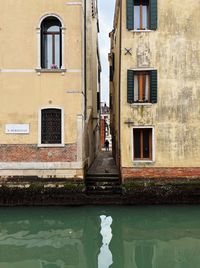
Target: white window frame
153,145
62,144
38,31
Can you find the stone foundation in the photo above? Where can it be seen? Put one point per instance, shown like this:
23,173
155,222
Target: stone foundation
43,173
42,162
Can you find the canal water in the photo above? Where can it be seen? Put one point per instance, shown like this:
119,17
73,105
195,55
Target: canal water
100,237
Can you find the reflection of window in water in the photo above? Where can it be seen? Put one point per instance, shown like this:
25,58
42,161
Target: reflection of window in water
105,255
58,264
144,255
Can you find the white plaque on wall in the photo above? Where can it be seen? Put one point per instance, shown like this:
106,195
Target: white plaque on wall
17,128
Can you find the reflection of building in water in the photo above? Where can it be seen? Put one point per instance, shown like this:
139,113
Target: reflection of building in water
80,238
143,255
152,241
58,264
52,248
183,252
36,242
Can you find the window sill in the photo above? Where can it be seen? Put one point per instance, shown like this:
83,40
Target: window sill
143,161
142,31
141,104
51,70
50,145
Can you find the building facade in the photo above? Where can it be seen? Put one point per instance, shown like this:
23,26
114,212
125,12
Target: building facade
49,87
155,88
105,125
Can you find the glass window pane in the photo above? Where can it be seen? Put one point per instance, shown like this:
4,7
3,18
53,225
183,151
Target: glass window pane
146,89
51,24
136,17
53,28
136,93
57,51
48,52
146,145
143,83
144,17
136,142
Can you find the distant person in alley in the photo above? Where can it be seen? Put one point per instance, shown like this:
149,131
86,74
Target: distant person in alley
107,145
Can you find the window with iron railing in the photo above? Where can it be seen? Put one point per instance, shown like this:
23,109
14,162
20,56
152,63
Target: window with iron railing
51,126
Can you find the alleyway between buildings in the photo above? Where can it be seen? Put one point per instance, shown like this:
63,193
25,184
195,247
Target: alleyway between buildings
103,176
104,163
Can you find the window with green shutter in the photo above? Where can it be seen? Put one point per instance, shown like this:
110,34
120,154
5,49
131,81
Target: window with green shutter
130,86
153,14
129,14
153,86
142,86
141,14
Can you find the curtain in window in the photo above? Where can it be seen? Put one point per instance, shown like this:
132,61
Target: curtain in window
51,42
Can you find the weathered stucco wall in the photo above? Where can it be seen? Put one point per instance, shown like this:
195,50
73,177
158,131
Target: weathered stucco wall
174,50
24,94
115,86
25,90
19,46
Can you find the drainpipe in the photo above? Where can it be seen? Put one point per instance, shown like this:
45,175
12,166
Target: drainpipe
85,58
120,46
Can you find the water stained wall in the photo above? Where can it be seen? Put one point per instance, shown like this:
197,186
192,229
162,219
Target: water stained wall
173,49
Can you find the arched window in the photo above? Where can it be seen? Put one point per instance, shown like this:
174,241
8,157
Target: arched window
51,126
51,43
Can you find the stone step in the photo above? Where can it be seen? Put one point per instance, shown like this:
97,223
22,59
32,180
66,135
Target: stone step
103,190
105,187
102,175
109,180
103,183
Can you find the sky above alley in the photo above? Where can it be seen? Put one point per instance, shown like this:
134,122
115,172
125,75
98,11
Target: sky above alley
106,13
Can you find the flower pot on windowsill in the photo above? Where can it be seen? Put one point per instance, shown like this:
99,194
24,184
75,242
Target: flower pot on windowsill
54,66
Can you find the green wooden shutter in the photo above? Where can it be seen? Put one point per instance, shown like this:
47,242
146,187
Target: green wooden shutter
129,14
153,86
153,11
130,86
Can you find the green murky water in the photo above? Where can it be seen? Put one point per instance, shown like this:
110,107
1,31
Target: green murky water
90,237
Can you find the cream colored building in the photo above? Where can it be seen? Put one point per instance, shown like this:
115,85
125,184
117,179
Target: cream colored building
49,64
155,88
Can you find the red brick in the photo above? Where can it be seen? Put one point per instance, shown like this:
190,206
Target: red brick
102,134
33,153
176,172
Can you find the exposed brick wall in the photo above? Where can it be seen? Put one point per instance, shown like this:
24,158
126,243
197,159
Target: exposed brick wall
133,173
32,153
102,132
